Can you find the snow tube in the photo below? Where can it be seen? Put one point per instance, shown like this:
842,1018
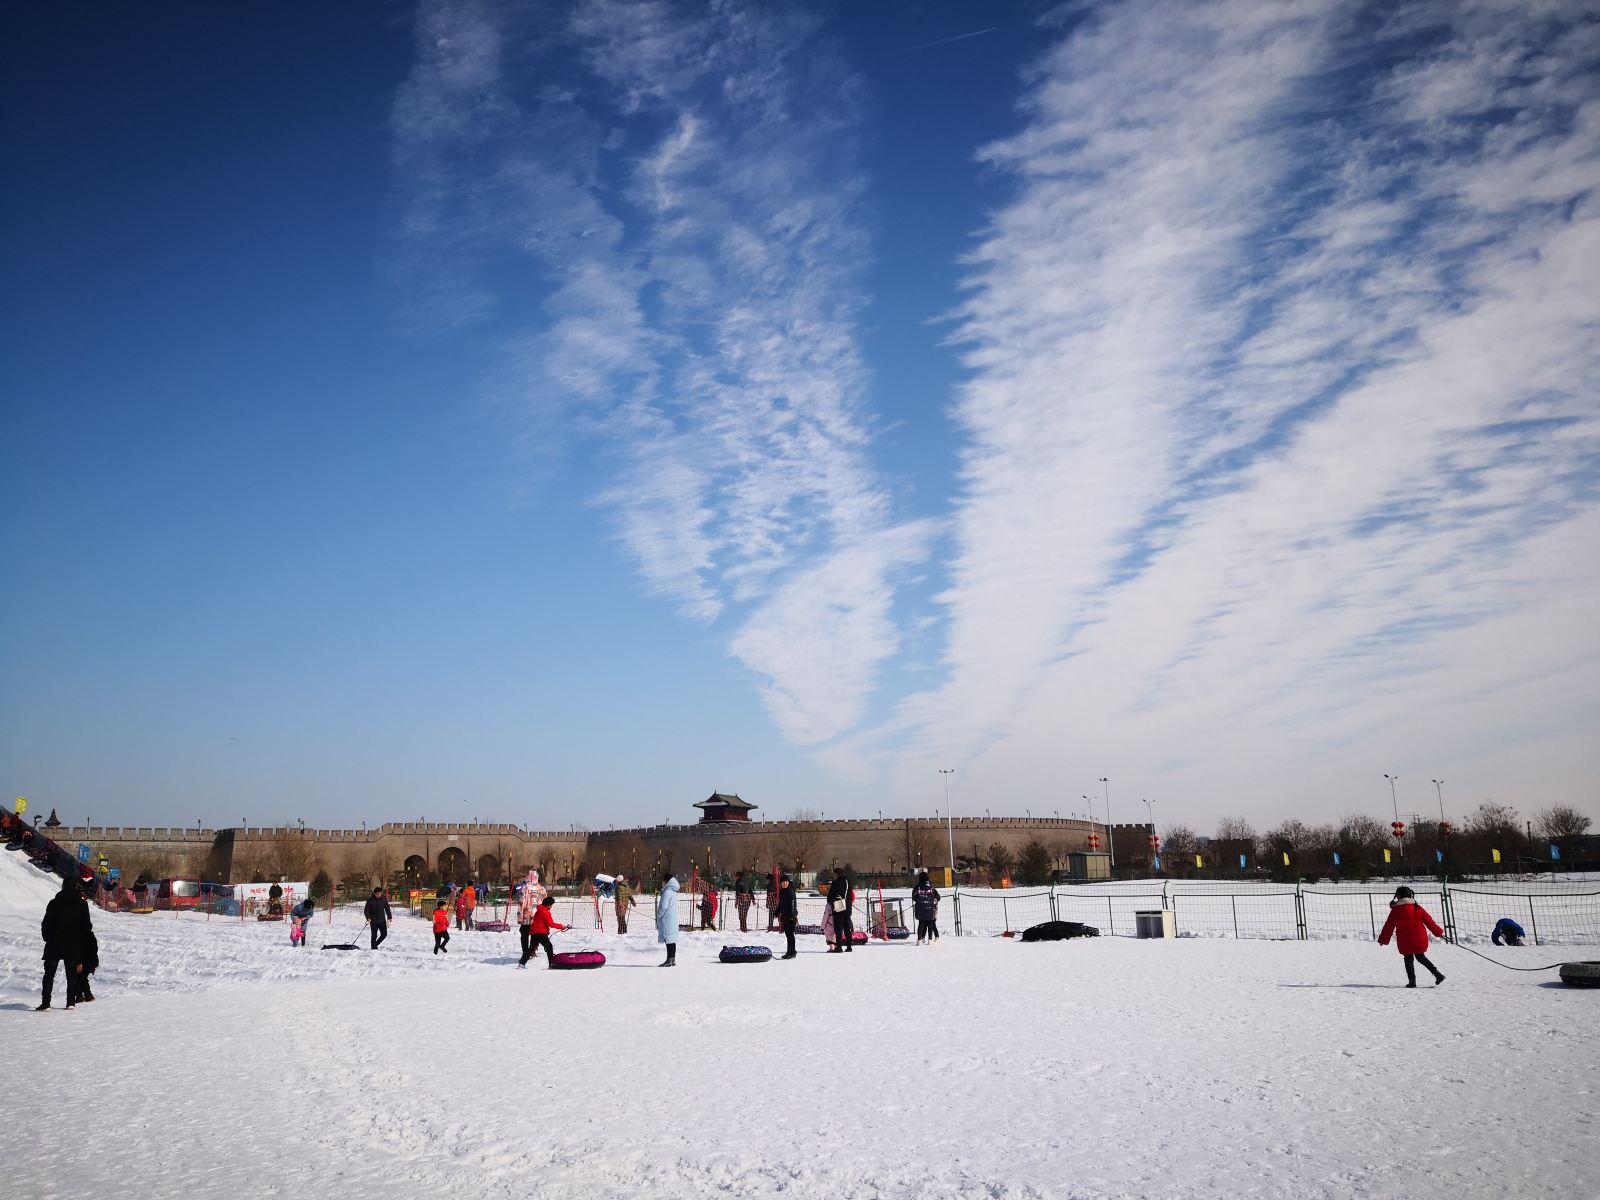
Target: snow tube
338,945
1058,931
492,926
744,954
808,928
1581,974
899,935
577,960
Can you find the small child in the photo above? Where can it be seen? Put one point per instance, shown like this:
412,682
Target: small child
543,922
441,928
1409,924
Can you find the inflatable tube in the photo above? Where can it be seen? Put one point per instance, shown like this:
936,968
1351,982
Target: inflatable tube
899,935
1581,974
339,946
492,926
577,960
1058,931
808,928
745,954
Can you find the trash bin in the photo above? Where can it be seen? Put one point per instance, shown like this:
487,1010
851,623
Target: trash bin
1156,924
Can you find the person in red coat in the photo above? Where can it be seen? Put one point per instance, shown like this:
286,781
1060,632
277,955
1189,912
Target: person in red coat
1409,924
441,928
544,920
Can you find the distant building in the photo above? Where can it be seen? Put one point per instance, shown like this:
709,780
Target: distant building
717,808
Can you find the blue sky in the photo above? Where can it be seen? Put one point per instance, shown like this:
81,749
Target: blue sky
553,413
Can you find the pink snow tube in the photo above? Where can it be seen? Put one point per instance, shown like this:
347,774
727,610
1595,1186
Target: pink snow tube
577,960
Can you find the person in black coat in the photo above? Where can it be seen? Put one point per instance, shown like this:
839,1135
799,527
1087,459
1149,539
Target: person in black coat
788,912
65,929
839,897
378,914
925,906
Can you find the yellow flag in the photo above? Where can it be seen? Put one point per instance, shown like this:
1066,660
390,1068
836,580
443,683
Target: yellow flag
1496,854
22,805
1386,857
1199,863
1286,858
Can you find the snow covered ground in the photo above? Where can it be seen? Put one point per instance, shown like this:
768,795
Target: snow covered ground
220,1061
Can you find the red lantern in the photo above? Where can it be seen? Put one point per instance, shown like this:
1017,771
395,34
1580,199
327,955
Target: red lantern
1399,828
1155,842
1094,841
1445,828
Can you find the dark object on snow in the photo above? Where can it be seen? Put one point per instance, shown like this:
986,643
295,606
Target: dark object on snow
1507,932
492,926
808,928
1059,931
745,954
577,960
1581,974
898,934
340,946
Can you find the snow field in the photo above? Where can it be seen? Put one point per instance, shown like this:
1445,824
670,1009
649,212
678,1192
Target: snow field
218,1059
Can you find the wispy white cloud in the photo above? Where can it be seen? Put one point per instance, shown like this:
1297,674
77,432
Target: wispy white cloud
1282,421
683,178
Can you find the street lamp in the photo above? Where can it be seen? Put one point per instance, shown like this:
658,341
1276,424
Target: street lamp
1111,840
1392,800
1438,787
1149,817
950,822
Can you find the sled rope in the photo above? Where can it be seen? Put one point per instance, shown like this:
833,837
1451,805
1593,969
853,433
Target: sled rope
1507,966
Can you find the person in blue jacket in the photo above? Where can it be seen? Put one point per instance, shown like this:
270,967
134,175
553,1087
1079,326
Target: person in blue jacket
300,917
1507,932
667,917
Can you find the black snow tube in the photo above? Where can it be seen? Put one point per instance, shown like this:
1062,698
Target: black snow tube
1581,974
1058,931
745,954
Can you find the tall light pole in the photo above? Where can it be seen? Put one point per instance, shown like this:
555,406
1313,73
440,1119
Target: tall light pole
1392,800
1111,838
1149,817
950,823
1438,787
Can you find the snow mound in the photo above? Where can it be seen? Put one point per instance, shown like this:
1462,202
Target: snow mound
24,889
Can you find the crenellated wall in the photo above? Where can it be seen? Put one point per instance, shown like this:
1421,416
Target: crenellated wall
468,850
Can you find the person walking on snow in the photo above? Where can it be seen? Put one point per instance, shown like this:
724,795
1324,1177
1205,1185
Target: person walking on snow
841,899
459,903
1409,924
469,900
65,928
441,927
744,895
544,920
378,914
925,907
667,918
625,901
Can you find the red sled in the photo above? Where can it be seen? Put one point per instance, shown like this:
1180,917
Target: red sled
577,960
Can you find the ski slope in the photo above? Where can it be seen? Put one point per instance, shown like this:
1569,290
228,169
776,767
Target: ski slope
227,1063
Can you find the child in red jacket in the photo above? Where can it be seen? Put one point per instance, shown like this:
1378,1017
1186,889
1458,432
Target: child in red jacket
539,935
441,928
1409,924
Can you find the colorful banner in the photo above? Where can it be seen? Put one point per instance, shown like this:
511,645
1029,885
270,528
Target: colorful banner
83,852
1286,858
22,805
1241,862
1438,856
1199,863
1496,855
1336,858
1555,852
1387,857
1158,862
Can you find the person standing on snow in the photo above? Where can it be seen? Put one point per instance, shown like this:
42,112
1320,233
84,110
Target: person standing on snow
378,914
300,917
667,918
788,912
527,907
925,907
470,895
65,928
1409,925
841,899
744,895
625,901
544,920
708,905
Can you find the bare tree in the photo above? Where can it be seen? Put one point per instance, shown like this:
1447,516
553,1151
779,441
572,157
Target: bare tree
1561,820
799,840
922,845
292,854
1235,829
1179,841
1493,821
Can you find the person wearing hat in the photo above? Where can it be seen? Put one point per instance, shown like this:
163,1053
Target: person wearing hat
378,914
1409,924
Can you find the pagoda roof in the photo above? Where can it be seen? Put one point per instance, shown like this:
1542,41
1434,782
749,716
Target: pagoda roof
724,800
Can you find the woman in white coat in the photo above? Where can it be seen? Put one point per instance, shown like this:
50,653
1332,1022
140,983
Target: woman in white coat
667,918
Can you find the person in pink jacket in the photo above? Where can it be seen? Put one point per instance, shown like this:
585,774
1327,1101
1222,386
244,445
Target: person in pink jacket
1409,924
